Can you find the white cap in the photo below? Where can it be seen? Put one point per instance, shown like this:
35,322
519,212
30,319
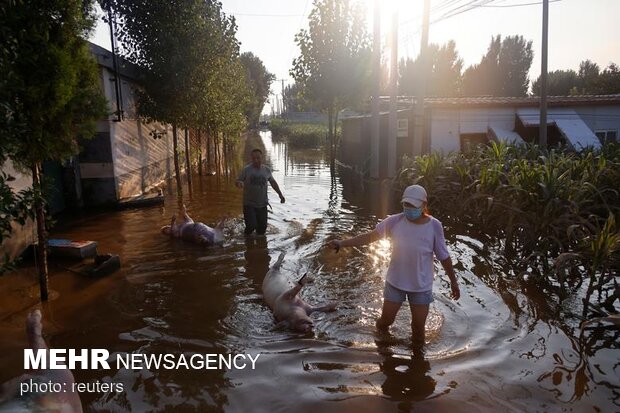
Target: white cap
415,195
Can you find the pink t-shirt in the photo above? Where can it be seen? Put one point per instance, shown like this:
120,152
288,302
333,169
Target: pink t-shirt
413,245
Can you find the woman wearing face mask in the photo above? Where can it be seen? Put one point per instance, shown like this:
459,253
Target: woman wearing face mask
416,236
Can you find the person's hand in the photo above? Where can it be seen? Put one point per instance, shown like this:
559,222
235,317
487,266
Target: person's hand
282,199
239,184
334,244
456,293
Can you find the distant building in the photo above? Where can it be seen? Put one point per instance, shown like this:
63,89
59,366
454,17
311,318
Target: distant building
454,124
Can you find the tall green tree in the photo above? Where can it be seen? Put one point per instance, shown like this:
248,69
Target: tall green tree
502,71
334,65
590,80
445,77
588,76
259,83
190,57
609,80
559,83
296,101
53,96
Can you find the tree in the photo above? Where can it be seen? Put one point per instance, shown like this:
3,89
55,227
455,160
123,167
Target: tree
588,76
163,37
192,76
296,101
559,83
445,77
609,80
590,80
53,97
259,83
503,71
334,65
483,78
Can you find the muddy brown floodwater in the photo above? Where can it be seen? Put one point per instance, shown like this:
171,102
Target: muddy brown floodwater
502,347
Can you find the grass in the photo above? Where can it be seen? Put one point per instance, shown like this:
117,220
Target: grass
299,135
554,212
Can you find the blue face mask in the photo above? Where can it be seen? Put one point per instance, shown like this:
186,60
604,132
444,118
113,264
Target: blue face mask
412,213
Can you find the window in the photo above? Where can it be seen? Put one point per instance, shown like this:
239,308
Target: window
606,136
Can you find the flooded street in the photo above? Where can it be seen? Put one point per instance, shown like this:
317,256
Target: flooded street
501,347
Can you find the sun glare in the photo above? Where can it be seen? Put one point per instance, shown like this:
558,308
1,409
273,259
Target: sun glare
406,9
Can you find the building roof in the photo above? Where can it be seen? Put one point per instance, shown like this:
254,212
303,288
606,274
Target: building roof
104,58
493,101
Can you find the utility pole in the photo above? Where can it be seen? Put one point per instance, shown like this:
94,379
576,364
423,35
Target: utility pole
283,103
375,129
542,139
419,141
117,77
393,118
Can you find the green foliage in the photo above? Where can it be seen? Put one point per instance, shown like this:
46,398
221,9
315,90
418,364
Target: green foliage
589,81
296,101
559,83
542,206
49,98
445,78
334,65
259,82
53,94
503,71
299,135
14,208
193,76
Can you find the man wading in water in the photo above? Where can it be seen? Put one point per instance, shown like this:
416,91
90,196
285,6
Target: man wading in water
253,179
416,236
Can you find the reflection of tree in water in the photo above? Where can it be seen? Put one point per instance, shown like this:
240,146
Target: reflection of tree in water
583,372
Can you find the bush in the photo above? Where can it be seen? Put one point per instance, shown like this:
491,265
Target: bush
299,135
554,212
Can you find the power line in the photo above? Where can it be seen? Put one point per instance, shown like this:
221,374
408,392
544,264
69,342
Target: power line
520,4
264,15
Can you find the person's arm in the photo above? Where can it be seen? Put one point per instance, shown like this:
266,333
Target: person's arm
449,269
276,188
240,179
440,248
359,240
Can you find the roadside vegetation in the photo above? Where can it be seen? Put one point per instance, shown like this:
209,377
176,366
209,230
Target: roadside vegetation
553,214
299,135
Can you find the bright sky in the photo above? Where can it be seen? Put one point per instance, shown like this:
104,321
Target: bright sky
578,29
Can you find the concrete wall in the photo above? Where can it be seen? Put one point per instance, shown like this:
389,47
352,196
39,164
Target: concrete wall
600,118
447,125
21,236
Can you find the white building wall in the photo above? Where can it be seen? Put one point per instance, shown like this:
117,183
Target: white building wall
600,117
447,125
21,235
140,161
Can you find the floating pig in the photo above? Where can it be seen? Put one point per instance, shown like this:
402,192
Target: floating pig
195,232
288,308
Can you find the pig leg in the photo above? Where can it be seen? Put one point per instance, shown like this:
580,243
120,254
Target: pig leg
325,308
11,398
292,293
186,218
